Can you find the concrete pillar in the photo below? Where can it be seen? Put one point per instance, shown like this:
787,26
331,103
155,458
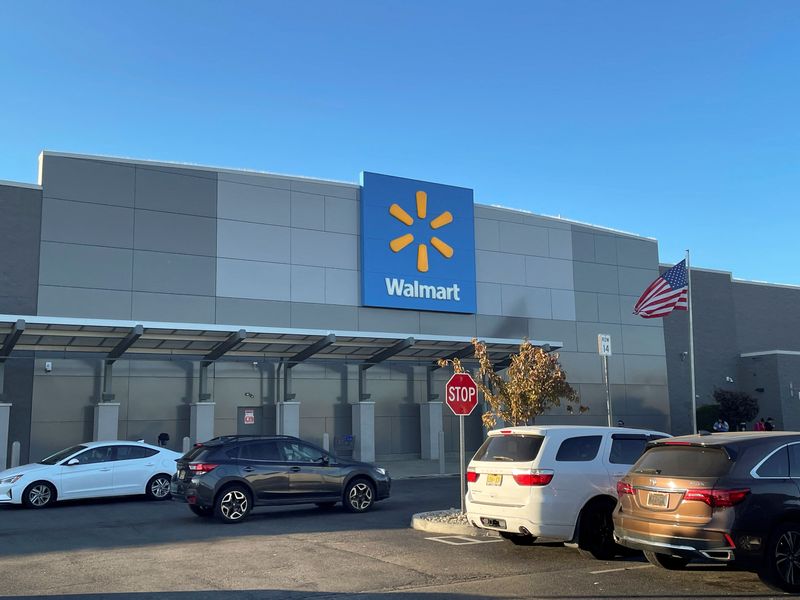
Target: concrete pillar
287,418
364,431
106,421
430,422
5,417
201,421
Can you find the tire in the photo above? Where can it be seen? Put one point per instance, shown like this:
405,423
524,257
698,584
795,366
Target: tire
233,504
666,561
201,511
39,494
517,539
596,532
325,505
781,570
158,487
359,495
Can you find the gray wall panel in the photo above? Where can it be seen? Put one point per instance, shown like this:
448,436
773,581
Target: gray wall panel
447,324
88,180
632,252
188,192
322,316
181,234
342,287
643,340
523,239
84,302
608,308
85,266
606,251
487,234
253,203
549,272
20,242
278,182
591,277
252,279
586,306
307,284
241,311
308,211
308,186
380,319
173,273
522,301
563,304
252,241
634,282
499,267
583,246
560,243
500,214
84,223
501,327
554,331
323,249
489,299
648,370
173,308
341,216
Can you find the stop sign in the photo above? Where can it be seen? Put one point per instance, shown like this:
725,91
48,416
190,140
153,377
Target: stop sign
461,394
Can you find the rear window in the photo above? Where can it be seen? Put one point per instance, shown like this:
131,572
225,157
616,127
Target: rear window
199,452
510,448
626,450
579,449
684,461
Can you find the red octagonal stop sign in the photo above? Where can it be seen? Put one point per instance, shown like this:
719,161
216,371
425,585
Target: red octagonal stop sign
461,394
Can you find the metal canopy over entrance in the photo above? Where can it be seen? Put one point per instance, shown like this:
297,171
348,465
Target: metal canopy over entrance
65,337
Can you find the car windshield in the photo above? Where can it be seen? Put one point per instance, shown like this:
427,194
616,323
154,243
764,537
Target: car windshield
510,448
61,455
683,461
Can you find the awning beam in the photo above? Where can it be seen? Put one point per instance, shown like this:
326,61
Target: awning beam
125,343
313,349
11,339
387,353
463,353
218,351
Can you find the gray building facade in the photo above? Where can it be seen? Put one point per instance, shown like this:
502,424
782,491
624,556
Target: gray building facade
114,242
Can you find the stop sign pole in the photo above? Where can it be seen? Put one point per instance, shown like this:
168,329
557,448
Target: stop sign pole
461,395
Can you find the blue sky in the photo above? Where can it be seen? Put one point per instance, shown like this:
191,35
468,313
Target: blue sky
677,120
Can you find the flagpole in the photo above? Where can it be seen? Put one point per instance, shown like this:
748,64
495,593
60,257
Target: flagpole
691,345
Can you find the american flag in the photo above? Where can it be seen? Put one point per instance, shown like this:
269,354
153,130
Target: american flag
667,293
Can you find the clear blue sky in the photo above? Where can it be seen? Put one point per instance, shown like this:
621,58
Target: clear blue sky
675,120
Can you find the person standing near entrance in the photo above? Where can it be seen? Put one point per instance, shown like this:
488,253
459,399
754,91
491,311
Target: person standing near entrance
769,425
759,425
721,426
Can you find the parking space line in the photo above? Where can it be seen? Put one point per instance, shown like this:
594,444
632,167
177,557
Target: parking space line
461,540
620,569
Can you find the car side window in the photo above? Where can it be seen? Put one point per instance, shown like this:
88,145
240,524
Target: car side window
626,450
96,455
776,465
794,460
297,452
265,450
134,452
579,449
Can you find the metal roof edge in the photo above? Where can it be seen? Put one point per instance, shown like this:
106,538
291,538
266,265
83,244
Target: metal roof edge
21,184
769,353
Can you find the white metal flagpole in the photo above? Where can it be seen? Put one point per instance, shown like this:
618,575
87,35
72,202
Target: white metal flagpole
691,344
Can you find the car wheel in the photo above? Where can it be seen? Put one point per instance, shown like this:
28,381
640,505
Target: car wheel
517,539
232,504
39,494
201,511
596,533
359,495
325,505
782,560
158,487
666,561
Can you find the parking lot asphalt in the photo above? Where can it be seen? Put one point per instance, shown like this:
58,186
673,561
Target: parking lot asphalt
135,549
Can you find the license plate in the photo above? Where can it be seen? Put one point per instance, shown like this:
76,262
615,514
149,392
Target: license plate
494,479
657,499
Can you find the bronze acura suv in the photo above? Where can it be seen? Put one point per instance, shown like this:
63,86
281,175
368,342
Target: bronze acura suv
728,497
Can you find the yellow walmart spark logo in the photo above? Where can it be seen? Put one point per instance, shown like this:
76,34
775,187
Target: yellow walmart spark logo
401,242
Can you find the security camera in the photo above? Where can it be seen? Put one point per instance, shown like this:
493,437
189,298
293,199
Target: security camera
48,367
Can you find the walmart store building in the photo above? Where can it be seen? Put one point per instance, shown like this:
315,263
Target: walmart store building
140,298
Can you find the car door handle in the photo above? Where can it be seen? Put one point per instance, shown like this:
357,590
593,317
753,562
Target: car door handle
294,469
249,469
104,470
150,465
618,474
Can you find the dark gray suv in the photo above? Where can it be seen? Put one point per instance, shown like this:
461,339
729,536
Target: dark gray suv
227,476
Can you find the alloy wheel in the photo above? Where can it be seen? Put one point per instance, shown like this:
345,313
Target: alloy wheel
160,487
787,557
360,496
39,495
233,505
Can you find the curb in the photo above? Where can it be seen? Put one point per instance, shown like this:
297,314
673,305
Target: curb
422,522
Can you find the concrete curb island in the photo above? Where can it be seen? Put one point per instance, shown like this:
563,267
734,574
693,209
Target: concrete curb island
436,522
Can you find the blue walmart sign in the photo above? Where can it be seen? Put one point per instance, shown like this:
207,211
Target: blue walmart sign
417,245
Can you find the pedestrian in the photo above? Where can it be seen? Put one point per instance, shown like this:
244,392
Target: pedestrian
769,425
721,426
760,425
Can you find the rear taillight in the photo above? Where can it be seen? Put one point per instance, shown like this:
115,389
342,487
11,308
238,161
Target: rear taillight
623,487
472,475
717,498
201,467
533,477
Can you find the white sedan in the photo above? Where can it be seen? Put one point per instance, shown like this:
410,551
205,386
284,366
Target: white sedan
91,470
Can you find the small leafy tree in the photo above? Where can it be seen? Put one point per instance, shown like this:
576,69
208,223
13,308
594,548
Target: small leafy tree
736,407
707,416
534,382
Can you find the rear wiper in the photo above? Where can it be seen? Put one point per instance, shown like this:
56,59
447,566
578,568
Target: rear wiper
650,471
508,458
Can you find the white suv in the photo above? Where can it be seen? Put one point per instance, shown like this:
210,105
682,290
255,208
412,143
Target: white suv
556,482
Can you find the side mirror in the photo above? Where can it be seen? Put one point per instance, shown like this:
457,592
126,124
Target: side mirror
73,461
